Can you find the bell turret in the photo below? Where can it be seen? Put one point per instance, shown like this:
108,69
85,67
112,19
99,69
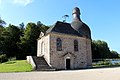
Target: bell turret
78,25
76,14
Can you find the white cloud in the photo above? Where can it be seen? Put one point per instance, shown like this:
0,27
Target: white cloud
22,2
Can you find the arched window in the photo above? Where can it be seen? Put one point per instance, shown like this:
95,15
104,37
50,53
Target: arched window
75,45
59,44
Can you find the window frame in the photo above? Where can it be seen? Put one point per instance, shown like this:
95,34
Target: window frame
59,44
76,45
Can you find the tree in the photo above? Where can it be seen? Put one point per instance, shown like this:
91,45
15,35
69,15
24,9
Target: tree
100,49
22,29
42,27
19,41
29,40
10,38
28,44
39,24
2,22
114,54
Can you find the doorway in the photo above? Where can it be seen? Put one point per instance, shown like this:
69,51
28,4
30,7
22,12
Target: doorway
67,64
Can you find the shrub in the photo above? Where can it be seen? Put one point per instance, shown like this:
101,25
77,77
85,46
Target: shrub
12,59
101,63
117,63
107,63
3,58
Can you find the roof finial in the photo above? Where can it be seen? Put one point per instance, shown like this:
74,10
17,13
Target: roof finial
65,16
76,14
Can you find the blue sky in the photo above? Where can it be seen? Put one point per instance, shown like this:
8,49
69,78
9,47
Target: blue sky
102,16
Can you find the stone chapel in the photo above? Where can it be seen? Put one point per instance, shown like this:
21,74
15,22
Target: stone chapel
66,45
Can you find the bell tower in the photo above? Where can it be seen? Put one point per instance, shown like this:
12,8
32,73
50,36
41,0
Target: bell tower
76,14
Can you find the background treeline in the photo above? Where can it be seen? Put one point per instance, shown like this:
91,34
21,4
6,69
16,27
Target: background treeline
100,50
21,41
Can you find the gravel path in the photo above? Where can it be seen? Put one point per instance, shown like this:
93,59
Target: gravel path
89,74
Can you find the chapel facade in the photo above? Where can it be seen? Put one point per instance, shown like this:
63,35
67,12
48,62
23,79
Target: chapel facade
66,45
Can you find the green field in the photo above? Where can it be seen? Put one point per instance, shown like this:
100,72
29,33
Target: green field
15,66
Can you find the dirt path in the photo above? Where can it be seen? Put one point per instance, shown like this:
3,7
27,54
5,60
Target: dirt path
89,74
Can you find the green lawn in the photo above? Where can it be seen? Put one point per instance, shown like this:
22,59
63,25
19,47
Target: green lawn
15,66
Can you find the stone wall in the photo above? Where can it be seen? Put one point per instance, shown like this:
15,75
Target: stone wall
31,61
79,59
89,53
57,59
43,48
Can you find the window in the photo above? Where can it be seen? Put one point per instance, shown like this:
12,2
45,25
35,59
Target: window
75,45
59,44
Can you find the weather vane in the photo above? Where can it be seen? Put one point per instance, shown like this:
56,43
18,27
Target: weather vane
65,16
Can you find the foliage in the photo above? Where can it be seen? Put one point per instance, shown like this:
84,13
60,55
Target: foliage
100,50
28,44
105,63
17,41
9,39
22,28
15,66
29,40
2,22
3,58
114,54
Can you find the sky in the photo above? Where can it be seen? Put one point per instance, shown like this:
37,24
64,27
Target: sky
102,16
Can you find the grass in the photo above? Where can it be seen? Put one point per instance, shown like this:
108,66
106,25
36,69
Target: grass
15,66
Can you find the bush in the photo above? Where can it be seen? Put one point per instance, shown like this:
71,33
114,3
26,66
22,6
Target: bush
117,63
103,63
12,59
3,58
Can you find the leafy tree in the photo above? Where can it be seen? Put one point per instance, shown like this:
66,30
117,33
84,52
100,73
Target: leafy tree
29,40
28,43
39,24
100,50
114,54
42,27
10,38
2,22
22,29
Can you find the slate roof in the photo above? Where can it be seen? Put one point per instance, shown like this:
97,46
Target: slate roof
62,27
81,28
77,27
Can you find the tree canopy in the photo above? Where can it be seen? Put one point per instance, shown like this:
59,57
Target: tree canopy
100,50
19,42
2,22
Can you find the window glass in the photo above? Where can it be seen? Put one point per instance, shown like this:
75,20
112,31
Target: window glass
75,45
59,44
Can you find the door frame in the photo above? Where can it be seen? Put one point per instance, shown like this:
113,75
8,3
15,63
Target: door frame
66,62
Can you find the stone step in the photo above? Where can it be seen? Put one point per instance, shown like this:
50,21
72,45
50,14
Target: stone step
45,69
41,64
